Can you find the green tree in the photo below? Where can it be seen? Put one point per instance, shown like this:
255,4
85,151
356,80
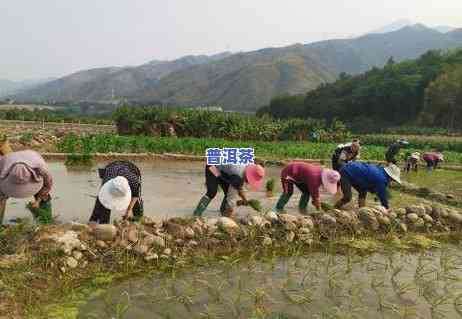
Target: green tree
443,99
379,98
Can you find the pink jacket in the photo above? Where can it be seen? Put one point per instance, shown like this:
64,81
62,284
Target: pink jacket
302,173
432,156
32,159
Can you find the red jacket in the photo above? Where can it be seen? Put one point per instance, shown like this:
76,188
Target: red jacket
302,173
432,156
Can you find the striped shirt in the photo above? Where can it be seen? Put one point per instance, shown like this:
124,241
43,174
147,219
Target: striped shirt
126,169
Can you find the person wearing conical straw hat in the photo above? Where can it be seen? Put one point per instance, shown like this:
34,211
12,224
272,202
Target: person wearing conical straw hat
231,178
366,178
25,174
412,162
394,149
120,191
433,159
309,179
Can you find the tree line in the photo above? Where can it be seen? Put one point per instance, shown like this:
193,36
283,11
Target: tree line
422,92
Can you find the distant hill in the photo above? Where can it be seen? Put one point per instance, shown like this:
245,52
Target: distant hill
456,34
111,82
12,87
402,23
246,81
394,26
443,28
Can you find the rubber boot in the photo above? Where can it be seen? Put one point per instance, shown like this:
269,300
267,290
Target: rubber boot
303,203
202,205
2,211
283,200
46,211
340,204
43,214
223,206
138,212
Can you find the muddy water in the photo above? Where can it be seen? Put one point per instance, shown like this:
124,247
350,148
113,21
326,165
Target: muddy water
315,286
170,189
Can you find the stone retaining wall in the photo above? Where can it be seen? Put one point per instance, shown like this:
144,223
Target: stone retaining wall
176,237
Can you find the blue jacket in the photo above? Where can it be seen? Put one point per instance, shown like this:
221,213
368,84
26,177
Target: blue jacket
368,178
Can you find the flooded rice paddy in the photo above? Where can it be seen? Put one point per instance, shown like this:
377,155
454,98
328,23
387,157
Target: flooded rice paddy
320,285
170,189
173,188
446,181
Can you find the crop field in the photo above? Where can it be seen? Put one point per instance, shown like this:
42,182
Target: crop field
396,275
445,143
448,182
322,285
101,143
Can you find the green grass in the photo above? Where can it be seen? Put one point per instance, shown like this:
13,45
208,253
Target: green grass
197,146
445,143
79,160
445,181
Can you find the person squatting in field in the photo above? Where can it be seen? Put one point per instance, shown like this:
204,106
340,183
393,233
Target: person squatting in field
309,179
393,151
120,191
366,178
231,178
25,174
345,153
433,159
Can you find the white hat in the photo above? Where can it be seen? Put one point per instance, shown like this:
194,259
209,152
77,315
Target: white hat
115,194
394,172
415,155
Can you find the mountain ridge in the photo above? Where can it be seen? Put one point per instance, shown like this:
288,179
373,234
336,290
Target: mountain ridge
244,81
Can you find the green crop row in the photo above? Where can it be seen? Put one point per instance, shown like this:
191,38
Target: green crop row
421,130
443,143
197,146
19,114
158,121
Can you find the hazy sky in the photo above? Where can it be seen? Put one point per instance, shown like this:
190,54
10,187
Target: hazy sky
41,38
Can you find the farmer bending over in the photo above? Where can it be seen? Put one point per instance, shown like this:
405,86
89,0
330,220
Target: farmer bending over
412,162
25,174
120,191
231,178
393,151
345,153
433,159
367,178
308,178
